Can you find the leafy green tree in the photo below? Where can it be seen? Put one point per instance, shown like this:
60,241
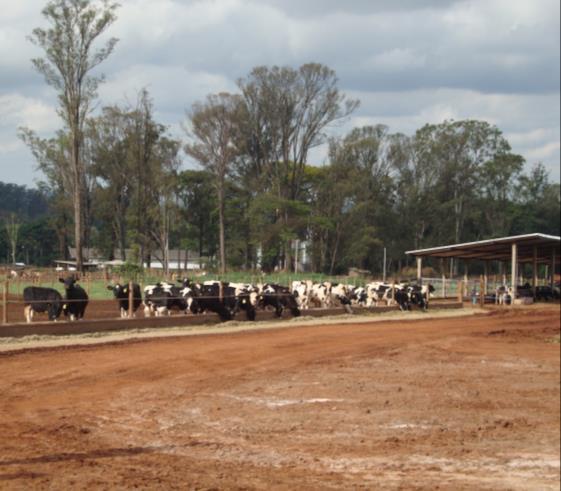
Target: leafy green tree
537,203
287,112
108,137
496,185
459,149
213,130
197,209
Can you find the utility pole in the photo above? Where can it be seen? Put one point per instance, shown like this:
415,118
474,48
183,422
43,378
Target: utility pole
384,269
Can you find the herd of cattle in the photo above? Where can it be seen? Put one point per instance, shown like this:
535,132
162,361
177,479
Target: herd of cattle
226,299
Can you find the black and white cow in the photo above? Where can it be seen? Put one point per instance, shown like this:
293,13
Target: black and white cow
301,291
503,295
121,293
176,299
156,300
224,300
39,299
280,298
75,298
420,294
319,295
358,295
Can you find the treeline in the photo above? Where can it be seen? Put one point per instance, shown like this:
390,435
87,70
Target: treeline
451,182
25,230
115,181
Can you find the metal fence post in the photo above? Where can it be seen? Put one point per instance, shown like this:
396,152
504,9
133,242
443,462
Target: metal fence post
131,297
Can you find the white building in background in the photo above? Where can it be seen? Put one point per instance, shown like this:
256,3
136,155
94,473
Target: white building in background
178,259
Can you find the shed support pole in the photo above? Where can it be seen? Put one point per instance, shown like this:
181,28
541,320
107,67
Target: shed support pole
534,271
419,270
466,280
552,268
513,275
485,276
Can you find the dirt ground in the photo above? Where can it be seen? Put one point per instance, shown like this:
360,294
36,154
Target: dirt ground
437,403
97,309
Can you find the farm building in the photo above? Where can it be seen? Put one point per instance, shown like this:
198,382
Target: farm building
535,249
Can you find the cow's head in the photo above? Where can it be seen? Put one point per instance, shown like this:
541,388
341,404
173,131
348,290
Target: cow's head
116,289
68,282
186,282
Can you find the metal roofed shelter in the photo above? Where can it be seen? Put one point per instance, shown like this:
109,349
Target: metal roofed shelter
530,248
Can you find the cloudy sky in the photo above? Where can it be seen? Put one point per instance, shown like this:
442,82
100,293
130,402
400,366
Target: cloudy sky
410,62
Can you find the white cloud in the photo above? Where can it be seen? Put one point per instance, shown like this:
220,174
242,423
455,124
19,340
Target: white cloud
17,110
410,62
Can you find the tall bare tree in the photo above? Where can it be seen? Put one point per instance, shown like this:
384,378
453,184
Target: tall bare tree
214,126
69,58
12,231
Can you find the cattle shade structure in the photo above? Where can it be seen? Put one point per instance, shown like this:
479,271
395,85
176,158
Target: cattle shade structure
530,248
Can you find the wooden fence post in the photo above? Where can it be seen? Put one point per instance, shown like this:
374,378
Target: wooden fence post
460,290
5,302
131,298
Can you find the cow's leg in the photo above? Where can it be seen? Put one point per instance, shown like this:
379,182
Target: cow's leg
27,313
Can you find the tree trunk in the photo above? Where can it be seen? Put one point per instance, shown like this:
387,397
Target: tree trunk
335,248
221,227
77,191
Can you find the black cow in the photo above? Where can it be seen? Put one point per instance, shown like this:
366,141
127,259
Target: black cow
279,297
39,299
121,293
547,293
76,298
402,298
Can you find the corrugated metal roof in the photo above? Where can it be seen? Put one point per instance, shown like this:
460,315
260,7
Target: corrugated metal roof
499,249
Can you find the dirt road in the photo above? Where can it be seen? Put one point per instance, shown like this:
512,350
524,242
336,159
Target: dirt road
459,403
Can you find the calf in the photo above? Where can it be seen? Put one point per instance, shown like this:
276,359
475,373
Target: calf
38,299
503,295
121,293
76,298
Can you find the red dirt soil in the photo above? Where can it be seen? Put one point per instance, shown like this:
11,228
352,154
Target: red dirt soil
457,403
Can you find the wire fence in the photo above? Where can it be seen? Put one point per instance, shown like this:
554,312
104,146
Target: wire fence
96,284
